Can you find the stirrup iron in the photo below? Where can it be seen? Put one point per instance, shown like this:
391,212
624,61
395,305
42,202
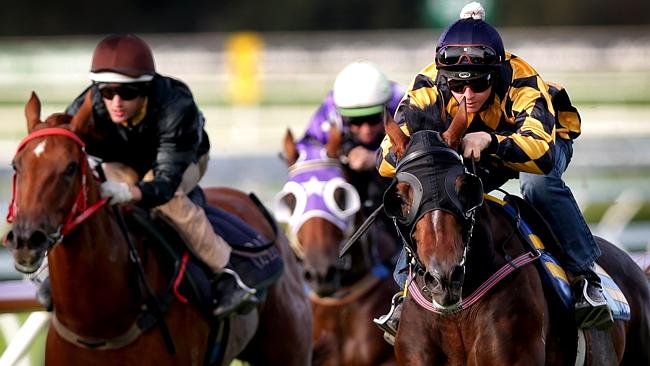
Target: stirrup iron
239,281
389,328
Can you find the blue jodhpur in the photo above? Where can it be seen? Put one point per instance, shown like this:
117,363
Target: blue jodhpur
554,200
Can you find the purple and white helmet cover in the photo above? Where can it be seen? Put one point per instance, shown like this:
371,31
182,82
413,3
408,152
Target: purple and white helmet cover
313,181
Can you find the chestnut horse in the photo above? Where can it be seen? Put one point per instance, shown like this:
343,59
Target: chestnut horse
57,211
473,300
322,209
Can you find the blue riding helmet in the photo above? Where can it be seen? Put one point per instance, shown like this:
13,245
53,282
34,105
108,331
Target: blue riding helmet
471,46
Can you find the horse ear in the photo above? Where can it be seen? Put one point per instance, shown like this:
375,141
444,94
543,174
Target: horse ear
290,151
458,127
80,123
398,138
33,112
334,142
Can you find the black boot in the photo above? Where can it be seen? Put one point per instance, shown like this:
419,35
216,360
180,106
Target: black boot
231,295
390,322
591,309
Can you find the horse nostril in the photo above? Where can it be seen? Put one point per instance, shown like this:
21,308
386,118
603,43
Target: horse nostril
457,277
8,240
37,239
330,275
431,280
309,275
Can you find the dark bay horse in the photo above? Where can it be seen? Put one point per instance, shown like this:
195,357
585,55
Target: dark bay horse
473,300
322,209
57,211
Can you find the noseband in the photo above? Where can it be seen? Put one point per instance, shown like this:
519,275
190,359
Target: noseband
80,210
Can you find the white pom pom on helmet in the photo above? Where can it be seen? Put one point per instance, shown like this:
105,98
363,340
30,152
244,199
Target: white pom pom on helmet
472,10
361,89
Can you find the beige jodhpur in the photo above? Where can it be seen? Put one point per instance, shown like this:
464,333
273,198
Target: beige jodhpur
180,212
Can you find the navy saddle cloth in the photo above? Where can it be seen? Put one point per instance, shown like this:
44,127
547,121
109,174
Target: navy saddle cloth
255,258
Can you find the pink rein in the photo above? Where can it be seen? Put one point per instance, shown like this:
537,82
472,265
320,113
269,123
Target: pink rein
503,272
80,210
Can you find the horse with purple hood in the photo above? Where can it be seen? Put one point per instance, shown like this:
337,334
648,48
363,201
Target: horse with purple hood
322,210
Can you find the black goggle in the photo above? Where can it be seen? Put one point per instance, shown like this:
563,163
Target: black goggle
125,91
452,55
371,120
478,85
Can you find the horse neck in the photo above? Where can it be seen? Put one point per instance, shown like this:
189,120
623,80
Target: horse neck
361,263
93,282
369,252
494,237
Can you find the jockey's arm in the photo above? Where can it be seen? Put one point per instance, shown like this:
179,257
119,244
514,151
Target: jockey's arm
529,148
179,139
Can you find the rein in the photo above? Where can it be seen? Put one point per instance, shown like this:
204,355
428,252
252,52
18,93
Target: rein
499,275
348,294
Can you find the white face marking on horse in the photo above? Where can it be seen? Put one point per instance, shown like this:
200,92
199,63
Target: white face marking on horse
40,148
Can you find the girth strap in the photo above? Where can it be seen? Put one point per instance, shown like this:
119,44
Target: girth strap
120,341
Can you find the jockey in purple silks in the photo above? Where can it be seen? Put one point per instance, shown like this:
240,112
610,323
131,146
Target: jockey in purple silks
356,105
327,114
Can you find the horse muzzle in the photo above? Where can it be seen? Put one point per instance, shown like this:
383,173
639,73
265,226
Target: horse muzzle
445,290
323,284
28,248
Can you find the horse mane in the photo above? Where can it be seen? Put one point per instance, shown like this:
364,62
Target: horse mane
427,118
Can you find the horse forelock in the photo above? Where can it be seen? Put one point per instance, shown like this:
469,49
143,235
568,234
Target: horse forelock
424,139
57,119
427,118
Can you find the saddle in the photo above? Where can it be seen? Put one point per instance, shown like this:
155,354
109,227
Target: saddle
538,234
255,258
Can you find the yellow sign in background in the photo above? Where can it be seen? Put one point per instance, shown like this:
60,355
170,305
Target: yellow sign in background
243,59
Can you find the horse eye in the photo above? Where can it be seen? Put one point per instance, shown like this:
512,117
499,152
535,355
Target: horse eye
14,167
71,169
405,205
340,198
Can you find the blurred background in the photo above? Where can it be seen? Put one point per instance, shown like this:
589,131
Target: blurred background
257,68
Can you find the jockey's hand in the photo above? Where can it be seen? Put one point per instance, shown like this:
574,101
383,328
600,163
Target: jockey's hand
474,143
119,192
360,158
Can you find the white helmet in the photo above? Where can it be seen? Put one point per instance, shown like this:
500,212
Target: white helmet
361,89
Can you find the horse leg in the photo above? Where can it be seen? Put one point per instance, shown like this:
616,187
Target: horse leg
283,336
284,333
412,344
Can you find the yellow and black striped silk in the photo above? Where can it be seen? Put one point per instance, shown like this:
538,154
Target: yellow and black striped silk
520,114
567,124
